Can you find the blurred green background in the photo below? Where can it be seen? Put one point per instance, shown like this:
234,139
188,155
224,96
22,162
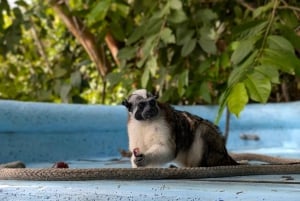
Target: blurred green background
187,51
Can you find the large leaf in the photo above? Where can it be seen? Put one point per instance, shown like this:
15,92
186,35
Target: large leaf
258,86
237,98
283,60
270,72
208,45
249,29
206,15
280,43
239,72
183,35
242,50
188,47
207,39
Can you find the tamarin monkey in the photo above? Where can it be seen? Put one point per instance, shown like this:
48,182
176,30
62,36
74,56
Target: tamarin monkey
159,134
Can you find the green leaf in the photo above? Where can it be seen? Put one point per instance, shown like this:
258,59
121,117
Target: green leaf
183,81
204,92
290,35
76,79
203,66
175,4
288,19
137,34
127,53
239,72
283,60
259,87
146,50
114,78
205,15
145,77
153,26
208,45
59,72
152,65
120,8
99,11
64,92
270,72
242,50
183,35
237,98
167,36
262,9
188,47
177,16
280,43
249,29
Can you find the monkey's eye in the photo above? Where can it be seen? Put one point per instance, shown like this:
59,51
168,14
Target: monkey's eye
141,104
152,102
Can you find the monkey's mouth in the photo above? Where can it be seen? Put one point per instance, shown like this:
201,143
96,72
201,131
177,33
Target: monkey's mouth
147,115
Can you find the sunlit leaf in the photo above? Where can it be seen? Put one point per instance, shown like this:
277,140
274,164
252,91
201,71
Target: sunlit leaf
237,98
167,36
258,86
175,4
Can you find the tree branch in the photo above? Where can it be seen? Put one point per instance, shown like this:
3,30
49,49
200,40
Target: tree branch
86,38
113,47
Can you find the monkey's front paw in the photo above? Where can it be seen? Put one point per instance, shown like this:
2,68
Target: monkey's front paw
139,160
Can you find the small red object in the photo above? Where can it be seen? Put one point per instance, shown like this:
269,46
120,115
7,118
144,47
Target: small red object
136,152
60,165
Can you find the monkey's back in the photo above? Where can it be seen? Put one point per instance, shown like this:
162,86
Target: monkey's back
185,126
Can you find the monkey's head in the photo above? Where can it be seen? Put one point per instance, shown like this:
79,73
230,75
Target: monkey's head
142,105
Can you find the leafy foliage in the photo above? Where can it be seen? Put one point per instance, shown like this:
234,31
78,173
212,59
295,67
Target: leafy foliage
189,52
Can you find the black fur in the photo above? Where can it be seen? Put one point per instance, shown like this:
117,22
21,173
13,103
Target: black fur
184,126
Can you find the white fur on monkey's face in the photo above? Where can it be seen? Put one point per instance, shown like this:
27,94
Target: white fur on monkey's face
143,105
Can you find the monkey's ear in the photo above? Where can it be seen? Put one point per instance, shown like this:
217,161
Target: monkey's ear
127,104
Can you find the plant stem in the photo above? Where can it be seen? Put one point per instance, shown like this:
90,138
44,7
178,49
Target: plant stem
271,20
